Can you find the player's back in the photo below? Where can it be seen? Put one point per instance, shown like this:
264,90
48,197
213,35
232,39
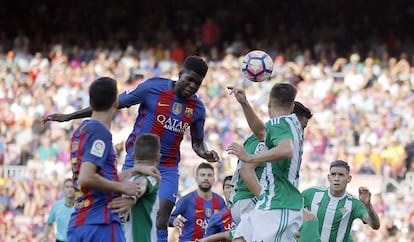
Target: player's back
92,142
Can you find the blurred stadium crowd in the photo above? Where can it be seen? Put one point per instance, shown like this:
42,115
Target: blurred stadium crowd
355,72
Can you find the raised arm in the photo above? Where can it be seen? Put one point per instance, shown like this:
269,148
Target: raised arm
255,123
371,216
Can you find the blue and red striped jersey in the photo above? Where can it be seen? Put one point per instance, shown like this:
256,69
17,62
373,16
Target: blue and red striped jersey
163,113
197,211
220,222
92,142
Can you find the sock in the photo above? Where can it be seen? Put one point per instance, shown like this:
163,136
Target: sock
162,235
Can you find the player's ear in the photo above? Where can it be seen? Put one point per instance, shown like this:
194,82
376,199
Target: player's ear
349,178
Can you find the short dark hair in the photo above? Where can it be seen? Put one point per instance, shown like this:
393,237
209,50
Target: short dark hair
102,93
67,180
301,110
340,163
227,178
196,64
283,95
204,165
147,147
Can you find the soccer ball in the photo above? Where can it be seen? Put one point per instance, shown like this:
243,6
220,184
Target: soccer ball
257,66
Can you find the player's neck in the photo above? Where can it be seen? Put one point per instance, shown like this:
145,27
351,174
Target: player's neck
336,193
275,112
104,117
69,202
205,195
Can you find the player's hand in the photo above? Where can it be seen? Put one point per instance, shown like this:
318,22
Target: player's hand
238,150
149,170
55,117
239,94
365,195
211,156
131,188
121,204
179,222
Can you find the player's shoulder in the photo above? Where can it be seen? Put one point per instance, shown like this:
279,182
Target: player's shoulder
314,189
350,196
158,82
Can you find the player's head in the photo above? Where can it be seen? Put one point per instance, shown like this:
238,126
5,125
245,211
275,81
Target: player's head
339,177
68,189
303,113
227,187
205,176
191,76
103,94
282,97
147,149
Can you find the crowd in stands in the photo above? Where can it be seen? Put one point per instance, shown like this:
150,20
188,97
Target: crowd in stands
361,93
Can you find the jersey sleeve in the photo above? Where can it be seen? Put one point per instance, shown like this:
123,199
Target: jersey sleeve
359,210
152,184
180,208
97,148
197,128
52,215
136,95
307,198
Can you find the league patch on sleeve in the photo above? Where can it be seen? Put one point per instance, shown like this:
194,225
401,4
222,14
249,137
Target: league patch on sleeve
98,148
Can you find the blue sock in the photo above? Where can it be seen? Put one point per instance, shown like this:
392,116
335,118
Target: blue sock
162,235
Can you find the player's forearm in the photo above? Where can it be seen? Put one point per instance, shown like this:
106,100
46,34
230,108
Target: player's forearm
217,237
284,150
83,113
249,177
255,123
373,217
200,148
97,182
47,230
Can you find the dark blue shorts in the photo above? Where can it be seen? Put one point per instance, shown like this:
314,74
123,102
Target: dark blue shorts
97,232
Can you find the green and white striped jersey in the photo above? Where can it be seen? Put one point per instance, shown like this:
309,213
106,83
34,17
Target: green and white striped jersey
141,226
282,175
335,214
253,146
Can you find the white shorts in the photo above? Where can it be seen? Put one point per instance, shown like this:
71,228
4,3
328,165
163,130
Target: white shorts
269,225
241,207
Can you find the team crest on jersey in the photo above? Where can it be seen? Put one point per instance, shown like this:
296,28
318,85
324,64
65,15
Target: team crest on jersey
343,210
98,148
209,212
188,112
177,107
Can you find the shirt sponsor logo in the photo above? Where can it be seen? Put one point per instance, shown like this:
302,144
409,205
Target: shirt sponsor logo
172,124
202,223
98,148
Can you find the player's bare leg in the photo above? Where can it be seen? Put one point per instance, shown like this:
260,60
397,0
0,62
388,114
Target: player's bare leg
163,216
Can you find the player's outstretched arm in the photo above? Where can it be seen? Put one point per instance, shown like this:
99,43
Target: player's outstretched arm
200,148
84,113
283,150
371,216
255,123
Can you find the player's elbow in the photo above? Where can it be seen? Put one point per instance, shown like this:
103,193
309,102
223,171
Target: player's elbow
85,181
376,226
